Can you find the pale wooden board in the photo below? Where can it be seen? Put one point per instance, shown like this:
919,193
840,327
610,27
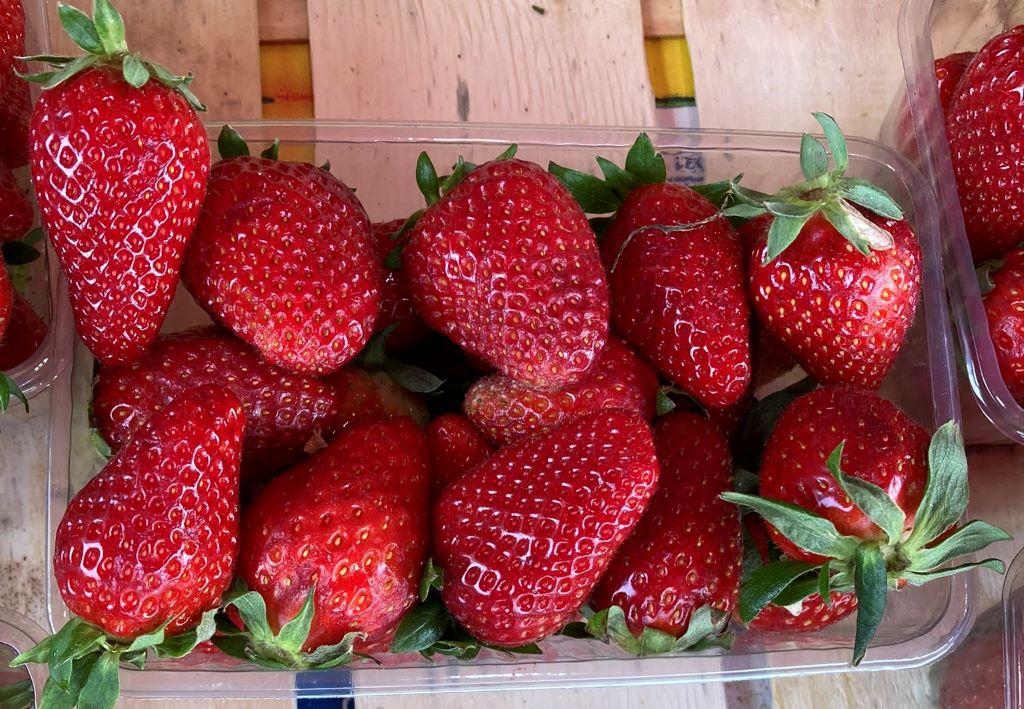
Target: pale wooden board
283,20
579,63
217,40
662,18
768,65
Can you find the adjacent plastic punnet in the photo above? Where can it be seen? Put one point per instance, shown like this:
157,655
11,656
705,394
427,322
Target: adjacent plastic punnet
929,29
378,160
39,282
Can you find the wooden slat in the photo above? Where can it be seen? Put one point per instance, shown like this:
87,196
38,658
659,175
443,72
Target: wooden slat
283,20
577,62
662,18
214,39
768,68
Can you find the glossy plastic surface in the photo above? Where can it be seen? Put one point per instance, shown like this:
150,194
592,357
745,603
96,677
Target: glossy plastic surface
1013,632
921,624
18,634
915,126
42,286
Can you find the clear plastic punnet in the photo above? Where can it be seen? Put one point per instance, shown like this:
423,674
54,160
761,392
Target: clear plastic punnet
39,282
916,127
921,624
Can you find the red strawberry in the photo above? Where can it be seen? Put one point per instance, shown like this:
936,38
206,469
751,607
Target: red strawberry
120,172
882,446
678,296
842,314
350,527
948,71
808,615
853,505
15,114
371,396
685,553
506,266
282,255
985,127
283,410
524,536
395,306
23,336
149,543
6,301
15,209
455,447
1004,309
507,410
12,40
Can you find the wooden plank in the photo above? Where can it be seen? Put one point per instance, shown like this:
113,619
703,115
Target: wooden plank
216,40
769,69
568,62
283,20
662,18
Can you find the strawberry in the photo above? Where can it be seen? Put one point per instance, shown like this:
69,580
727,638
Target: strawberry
984,127
23,336
806,615
524,536
948,71
395,305
1004,310
684,557
456,445
15,209
859,501
837,284
342,538
12,41
282,255
283,410
371,396
8,386
6,300
507,410
146,548
506,266
119,161
678,295
15,114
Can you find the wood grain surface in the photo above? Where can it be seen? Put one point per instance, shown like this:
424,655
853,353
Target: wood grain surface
544,61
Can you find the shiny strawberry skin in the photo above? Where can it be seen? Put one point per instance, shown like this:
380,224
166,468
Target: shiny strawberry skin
283,409
842,315
686,551
353,520
524,536
507,267
679,297
1004,310
12,40
119,175
153,537
456,445
985,126
6,301
395,305
282,255
882,446
25,332
371,396
507,410
15,210
15,114
812,615
948,71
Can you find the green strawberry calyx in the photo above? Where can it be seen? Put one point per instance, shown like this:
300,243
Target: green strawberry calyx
83,661
986,271
429,629
9,388
708,628
823,190
872,567
102,38
283,650
231,144
374,357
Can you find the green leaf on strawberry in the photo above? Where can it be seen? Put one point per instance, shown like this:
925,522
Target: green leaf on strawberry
707,629
872,566
17,695
102,38
9,388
